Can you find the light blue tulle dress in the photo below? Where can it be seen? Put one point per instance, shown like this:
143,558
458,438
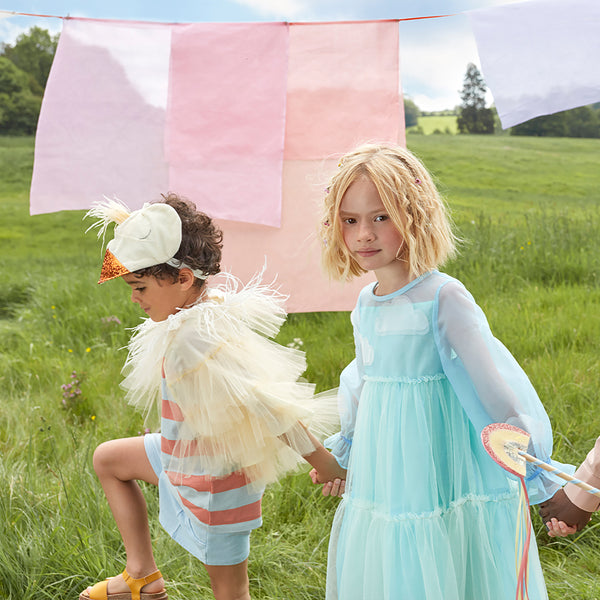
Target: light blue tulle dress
427,514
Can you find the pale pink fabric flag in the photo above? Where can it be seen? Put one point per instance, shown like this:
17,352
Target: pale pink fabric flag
539,57
343,89
226,118
101,128
134,109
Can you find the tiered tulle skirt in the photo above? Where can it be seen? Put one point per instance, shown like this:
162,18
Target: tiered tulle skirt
428,515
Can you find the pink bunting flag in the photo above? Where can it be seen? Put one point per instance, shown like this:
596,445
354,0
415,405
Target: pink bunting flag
539,57
208,111
135,109
343,90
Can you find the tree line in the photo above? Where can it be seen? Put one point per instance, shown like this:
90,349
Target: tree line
25,65
24,69
474,117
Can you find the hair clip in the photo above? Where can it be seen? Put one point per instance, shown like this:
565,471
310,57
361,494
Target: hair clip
326,223
417,181
326,190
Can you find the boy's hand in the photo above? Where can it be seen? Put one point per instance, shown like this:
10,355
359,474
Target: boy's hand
560,509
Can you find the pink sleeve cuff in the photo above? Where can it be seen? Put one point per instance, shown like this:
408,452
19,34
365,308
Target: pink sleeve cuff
589,471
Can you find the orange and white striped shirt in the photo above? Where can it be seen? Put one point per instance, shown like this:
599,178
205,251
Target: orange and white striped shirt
228,503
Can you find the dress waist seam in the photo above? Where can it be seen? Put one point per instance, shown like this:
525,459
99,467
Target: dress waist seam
422,379
434,514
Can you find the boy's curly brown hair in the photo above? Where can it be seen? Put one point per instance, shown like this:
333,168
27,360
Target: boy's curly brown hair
201,242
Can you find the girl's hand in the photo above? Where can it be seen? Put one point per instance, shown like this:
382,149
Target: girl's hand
558,528
336,487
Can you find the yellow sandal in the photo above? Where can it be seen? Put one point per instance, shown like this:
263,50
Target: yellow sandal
99,591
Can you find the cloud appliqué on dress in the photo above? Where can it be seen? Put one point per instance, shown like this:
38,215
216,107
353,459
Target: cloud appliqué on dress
401,317
368,354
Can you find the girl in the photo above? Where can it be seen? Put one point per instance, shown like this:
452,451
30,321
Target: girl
231,403
426,514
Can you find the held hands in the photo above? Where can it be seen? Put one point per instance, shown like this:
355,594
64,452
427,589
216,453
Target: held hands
331,475
326,470
336,487
558,528
561,516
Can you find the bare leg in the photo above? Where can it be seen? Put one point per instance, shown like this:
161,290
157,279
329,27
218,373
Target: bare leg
230,582
119,464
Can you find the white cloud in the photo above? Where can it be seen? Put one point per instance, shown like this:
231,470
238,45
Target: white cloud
277,9
433,61
12,28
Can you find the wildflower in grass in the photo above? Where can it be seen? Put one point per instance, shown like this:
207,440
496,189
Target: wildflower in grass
70,350
72,395
88,349
93,417
110,319
297,344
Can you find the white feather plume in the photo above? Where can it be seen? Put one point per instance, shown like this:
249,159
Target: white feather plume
107,212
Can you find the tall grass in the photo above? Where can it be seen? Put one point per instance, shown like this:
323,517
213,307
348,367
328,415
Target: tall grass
527,212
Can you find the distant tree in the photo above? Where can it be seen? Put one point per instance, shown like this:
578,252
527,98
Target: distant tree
19,114
474,117
12,79
544,126
411,113
33,52
581,122
19,107
24,69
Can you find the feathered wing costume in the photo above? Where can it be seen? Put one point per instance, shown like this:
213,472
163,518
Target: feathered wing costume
242,403
244,407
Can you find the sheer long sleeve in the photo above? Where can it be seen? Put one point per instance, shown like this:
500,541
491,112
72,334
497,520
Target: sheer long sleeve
340,443
351,383
489,382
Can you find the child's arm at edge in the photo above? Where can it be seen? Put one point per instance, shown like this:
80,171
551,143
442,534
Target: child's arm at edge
326,469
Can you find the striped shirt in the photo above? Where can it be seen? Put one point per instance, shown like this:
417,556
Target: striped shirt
226,504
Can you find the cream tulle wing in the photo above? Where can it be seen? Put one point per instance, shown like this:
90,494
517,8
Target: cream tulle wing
143,367
240,393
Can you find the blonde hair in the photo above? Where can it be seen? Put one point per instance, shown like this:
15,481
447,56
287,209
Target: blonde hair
410,198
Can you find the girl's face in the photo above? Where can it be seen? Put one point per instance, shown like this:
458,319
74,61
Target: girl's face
158,298
369,233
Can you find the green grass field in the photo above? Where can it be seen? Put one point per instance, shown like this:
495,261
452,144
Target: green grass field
436,124
527,211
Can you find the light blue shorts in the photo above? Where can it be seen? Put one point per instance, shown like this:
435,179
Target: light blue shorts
209,546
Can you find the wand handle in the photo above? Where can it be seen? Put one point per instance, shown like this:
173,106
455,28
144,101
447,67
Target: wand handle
561,474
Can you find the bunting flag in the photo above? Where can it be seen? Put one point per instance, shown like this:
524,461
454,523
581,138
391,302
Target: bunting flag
539,57
343,89
247,120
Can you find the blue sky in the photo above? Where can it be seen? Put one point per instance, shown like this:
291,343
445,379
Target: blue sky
434,53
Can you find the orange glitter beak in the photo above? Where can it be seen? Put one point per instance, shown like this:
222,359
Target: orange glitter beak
111,268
